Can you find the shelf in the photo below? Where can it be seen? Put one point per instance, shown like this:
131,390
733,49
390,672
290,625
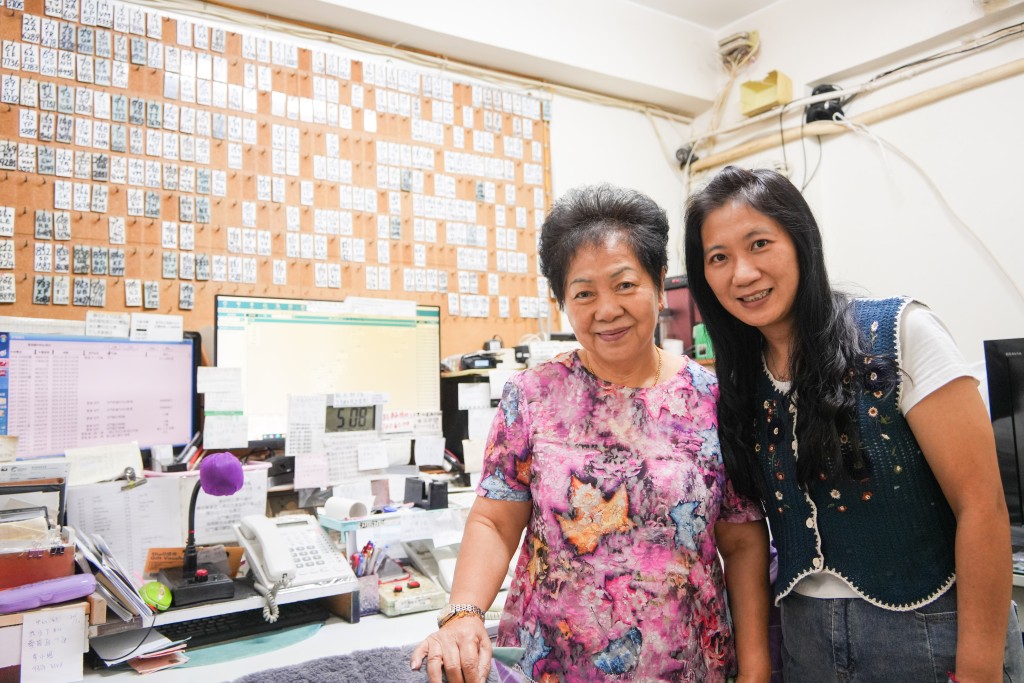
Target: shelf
249,599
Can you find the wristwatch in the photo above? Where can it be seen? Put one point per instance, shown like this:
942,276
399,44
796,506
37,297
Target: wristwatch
449,612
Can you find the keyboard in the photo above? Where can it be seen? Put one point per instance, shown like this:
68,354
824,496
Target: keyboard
234,625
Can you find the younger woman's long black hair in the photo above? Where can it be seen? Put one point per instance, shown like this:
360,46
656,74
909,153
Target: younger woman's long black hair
826,347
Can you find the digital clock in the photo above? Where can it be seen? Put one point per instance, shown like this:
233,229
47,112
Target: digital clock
351,419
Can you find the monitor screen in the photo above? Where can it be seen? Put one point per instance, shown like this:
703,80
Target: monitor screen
303,346
59,392
1004,367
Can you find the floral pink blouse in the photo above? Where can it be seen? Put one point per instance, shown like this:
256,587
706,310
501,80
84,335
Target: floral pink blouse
618,577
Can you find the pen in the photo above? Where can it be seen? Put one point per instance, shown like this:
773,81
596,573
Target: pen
185,452
380,560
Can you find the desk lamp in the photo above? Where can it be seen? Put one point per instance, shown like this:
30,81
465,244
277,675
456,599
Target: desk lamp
220,474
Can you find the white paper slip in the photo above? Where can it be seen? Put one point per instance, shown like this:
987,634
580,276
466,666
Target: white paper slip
373,455
223,401
156,327
100,324
93,464
307,415
218,380
8,447
429,450
225,431
474,395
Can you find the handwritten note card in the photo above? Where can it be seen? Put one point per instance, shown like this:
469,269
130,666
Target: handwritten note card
52,643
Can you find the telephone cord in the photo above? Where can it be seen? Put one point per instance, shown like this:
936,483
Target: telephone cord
270,609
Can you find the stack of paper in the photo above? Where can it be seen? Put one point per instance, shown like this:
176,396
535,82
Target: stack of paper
112,581
125,647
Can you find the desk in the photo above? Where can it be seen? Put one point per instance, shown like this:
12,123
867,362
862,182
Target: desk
337,637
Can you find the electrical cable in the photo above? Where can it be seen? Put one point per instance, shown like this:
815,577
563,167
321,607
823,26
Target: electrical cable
890,77
882,144
996,36
145,637
782,138
821,153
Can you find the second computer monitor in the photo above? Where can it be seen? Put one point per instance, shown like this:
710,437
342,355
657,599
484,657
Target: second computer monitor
304,346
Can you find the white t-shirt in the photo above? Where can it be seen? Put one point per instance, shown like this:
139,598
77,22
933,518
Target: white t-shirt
929,360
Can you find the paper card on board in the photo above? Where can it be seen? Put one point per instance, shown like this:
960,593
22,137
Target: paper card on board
156,327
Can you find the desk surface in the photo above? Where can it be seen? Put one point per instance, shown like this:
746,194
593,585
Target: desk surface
337,637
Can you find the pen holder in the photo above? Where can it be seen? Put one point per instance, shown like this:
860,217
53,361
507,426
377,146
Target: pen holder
369,595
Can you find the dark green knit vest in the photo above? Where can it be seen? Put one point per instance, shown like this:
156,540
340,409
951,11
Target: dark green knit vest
889,534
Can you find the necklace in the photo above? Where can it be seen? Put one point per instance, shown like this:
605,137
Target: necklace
769,361
657,374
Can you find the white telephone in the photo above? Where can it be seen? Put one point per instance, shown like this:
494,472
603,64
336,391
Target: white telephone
290,550
436,563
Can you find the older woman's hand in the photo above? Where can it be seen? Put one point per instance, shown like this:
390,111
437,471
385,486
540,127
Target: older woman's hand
461,648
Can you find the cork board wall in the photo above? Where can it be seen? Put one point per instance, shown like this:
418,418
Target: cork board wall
148,162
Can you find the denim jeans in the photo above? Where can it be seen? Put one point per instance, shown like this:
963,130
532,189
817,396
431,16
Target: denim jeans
852,641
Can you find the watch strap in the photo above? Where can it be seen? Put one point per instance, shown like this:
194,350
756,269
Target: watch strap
458,610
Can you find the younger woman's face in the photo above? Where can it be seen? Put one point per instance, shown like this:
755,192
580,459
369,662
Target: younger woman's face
751,264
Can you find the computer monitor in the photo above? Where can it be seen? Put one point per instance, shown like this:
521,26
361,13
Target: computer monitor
680,314
1004,365
59,392
306,346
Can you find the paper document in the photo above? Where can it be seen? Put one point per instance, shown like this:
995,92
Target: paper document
8,447
307,415
100,324
25,470
93,464
225,431
217,515
218,380
118,647
429,450
131,521
101,463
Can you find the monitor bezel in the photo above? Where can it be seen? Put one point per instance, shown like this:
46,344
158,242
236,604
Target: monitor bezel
196,342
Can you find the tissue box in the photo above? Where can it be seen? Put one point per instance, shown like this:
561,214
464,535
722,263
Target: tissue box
759,96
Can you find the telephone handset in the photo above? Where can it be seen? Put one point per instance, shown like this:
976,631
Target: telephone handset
436,563
291,550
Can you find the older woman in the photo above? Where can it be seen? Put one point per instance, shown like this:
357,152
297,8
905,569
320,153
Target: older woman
609,458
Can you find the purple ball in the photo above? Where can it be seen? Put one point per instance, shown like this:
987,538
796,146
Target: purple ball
220,474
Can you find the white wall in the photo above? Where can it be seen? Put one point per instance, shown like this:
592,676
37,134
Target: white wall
886,231
592,143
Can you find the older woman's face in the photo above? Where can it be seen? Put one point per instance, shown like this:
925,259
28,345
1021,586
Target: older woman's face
612,304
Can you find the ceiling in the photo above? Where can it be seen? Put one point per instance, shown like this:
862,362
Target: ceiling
710,14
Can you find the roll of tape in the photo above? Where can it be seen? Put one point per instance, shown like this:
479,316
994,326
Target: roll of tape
345,508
